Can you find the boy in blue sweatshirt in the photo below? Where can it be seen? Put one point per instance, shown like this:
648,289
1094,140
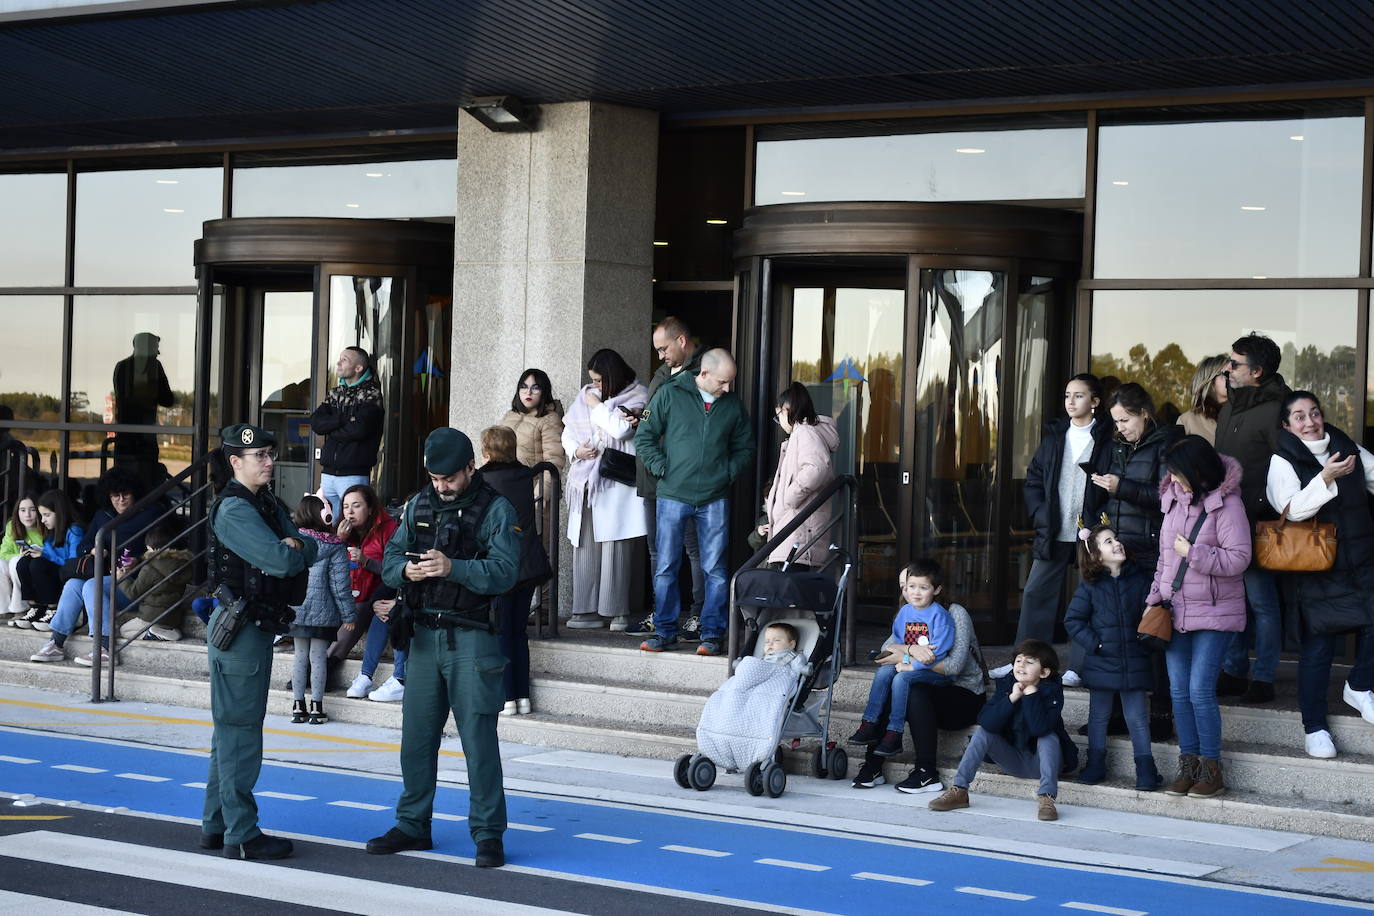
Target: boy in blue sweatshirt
922,635
1019,730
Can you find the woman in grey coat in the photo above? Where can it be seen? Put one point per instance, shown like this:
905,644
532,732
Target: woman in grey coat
328,606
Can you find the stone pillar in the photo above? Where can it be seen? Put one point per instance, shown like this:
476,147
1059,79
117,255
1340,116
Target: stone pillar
553,252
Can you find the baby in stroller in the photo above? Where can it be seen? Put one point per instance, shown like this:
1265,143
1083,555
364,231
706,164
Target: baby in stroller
780,647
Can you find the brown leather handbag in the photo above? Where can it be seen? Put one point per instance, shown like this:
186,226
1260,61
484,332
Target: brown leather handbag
1156,625
1285,546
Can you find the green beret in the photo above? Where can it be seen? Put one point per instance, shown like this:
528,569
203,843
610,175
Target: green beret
447,451
245,435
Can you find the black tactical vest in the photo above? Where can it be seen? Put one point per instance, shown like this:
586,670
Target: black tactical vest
455,536
243,578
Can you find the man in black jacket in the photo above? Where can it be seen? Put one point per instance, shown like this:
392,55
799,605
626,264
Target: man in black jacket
1248,430
350,419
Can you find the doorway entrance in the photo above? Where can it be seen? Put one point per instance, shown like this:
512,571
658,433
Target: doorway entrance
934,334
295,293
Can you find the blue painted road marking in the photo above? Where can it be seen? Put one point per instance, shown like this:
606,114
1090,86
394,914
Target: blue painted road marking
806,869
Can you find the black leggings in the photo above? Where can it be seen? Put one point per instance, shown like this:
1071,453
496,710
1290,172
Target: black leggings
930,708
40,580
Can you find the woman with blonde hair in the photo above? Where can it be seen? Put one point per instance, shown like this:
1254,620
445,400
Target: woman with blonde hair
1209,393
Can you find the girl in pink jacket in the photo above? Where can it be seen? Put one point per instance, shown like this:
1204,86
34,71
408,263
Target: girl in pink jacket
1208,606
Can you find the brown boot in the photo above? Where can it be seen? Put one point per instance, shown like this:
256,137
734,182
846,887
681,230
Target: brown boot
1209,783
950,800
1047,812
1187,775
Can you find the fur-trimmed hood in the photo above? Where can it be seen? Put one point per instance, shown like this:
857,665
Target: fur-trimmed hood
1170,492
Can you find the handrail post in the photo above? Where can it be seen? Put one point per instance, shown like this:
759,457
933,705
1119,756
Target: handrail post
553,498
96,614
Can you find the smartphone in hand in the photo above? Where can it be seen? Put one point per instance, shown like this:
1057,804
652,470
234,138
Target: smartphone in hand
634,412
415,557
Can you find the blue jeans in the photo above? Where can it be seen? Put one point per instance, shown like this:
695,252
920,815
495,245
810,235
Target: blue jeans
889,680
334,488
1194,661
713,534
377,633
1135,707
79,595
1043,761
1263,627
1314,673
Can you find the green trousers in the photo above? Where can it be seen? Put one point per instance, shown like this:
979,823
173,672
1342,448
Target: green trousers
459,671
239,679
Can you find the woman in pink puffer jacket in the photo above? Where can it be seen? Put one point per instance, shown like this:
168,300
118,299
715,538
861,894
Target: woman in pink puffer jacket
1209,607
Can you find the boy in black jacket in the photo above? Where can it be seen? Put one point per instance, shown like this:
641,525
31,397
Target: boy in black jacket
1019,730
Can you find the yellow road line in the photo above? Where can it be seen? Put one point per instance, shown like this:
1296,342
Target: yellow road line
130,718
34,817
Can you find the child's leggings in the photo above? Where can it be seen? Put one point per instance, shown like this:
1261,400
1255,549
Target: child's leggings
1136,708
311,652
889,680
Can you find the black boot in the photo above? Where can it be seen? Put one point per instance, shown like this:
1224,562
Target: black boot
1096,769
317,716
397,840
490,854
1147,777
261,846
298,712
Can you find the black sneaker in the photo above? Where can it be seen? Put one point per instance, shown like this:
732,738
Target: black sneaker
920,782
691,630
397,840
869,775
867,733
890,746
643,628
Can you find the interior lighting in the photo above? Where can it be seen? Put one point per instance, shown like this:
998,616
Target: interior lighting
1253,209
167,181
352,206
717,222
1259,277
970,150
1121,184
172,210
1296,137
502,113
375,174
793,193
660,244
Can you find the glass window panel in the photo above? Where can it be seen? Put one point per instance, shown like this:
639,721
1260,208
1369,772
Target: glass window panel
1274,198
365,312
31,375
89,453
1156,338
139,227
133,360
288,321
964,165
33,250
419,188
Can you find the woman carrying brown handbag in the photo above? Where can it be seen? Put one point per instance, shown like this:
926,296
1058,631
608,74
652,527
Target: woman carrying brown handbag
1319,473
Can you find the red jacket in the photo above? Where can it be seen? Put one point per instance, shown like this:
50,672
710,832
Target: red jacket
368,575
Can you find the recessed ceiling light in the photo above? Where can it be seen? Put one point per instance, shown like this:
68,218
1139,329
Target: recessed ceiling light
1296,137
1259,277
352,206
971,150
661,244
375,174
793,193
1121,184
172,210
1252,208
167,181
717,222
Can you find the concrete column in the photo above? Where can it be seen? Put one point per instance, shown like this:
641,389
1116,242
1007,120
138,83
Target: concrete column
553,253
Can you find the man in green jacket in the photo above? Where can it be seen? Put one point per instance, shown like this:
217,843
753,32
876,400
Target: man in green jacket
696,441
458,546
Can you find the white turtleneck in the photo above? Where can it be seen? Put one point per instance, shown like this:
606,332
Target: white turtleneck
1283,487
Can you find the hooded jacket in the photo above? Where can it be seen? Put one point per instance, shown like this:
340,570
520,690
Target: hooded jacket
161,582
329,594
1103,618
1248,430
806,463
1133,510
350,419
1030,718
1212,596
1042,481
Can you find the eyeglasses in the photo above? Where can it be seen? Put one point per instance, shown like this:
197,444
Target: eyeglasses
262,456
534,389
1236,363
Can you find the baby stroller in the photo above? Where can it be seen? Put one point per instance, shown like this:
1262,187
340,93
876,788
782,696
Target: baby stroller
763,703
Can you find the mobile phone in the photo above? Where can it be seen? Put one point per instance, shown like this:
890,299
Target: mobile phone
636,412
414,557
875,654
1087,467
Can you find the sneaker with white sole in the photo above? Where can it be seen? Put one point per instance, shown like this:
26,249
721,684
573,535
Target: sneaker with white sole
620,623
1320,745
25,620
920,782
643,628
52,652
86,660
44,623
1360,700
361,687
869,775
1071,679
691,630
391,691
164,634
510,709
1000,671
522,706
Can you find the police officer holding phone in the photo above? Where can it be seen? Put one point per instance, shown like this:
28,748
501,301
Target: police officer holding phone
257,558
457,548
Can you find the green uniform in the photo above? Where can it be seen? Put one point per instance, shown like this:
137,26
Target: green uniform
239,675
455,669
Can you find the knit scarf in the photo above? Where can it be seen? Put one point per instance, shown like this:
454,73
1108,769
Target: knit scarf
585,474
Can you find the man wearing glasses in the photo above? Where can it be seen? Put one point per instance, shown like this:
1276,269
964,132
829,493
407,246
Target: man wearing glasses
1247,430
258,555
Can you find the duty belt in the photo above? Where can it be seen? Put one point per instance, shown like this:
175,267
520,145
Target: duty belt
435,621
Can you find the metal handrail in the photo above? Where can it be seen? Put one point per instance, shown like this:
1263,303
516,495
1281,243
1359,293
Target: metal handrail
194,502
8,496
847,516
553,498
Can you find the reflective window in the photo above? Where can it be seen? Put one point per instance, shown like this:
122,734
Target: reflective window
288,320
365,312
1273,198
31,372
965,165
89,453
423,187
133,360
1156,338
33,249
139,227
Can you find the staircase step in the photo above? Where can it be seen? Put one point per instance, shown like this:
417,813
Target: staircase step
641,709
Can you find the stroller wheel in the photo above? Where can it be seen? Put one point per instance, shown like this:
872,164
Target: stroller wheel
701,772
680,771
818,766
837,763
753,779
774,780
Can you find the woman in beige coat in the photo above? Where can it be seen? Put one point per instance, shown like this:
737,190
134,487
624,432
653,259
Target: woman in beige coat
806,463
537,420
1209,393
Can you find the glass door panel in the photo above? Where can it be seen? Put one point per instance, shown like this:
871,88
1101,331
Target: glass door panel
284,381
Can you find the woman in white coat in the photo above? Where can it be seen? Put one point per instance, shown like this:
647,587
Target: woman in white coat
806,463
605,517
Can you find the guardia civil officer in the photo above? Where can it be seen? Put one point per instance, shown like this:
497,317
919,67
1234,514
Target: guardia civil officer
467,541
257,555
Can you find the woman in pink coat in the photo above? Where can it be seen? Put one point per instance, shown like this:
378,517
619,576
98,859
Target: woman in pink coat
1208,607
805,465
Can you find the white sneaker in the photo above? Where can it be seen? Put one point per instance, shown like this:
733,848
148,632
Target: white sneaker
1360,700
86,660
1319,744
165,634
510,709
391,691
52,652
1000,671
1071,679
522,706
361,687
